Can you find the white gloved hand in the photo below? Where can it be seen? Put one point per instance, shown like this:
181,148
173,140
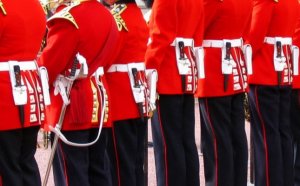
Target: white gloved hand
60,86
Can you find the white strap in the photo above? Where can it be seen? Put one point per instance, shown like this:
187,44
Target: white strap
187,42
295,54
124,67
283,40
222,43
199,54
45,85
24,65
98,72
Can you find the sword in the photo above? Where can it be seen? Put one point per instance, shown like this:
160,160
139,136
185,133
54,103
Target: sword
227,57
60,121
278,55
17,73
137,85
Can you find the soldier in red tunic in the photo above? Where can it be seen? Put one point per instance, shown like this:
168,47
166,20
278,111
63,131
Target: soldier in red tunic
87,29
175,28
22,108
221,92
270,36
295,102
126,81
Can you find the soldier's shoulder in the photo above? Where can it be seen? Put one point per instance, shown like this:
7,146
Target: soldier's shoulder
116,11
65,14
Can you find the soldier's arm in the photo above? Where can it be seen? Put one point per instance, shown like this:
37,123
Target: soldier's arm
163,28
61,47
261,17
296,38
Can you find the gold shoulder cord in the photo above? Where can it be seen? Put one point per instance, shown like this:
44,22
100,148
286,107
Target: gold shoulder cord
116,12
2,8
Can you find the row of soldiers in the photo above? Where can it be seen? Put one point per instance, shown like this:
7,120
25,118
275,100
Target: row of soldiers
101,67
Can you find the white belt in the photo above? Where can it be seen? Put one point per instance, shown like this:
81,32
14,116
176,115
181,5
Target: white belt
124,67
24,65
283,40
186,41
222,43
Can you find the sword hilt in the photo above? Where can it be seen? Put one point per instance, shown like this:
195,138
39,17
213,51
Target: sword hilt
181,49
278,54
74,67
227,49
135,77
278,49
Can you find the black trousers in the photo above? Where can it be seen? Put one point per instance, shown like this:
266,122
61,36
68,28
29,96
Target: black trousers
18,166
295,125
158,147
224,141
129,140
177,120
272,139
78,166
110,149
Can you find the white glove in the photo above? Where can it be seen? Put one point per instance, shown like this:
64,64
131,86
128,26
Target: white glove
60,86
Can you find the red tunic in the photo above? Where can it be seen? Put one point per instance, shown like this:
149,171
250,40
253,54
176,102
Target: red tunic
296,41
133,45
270,19
94,39
21,33
171,19
227,19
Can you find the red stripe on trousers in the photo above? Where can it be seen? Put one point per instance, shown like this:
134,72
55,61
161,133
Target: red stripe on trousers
264,136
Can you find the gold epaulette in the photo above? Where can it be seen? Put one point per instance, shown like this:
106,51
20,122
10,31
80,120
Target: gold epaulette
116,12
65,14
2,8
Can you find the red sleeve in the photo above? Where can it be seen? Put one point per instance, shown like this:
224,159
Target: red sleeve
246,31
163,28
296,37
248,25
112,47
61,43
198,37
210,12
261,17
2,17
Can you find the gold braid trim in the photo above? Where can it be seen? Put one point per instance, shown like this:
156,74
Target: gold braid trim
116,12
95,103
